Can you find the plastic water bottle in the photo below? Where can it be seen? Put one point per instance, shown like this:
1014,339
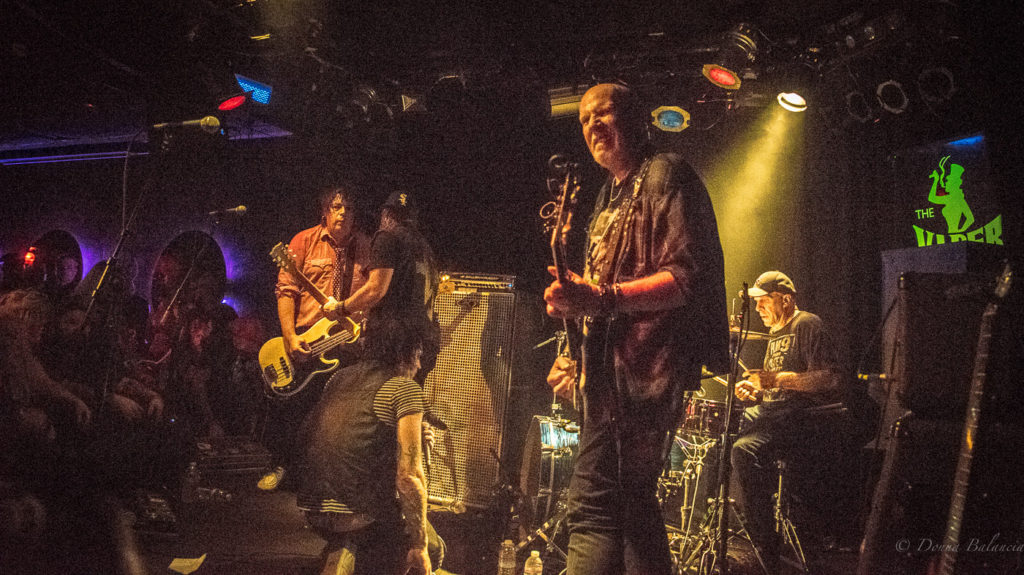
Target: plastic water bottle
507,558
190,483
534,566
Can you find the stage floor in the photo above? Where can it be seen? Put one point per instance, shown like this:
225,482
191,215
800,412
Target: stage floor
265,534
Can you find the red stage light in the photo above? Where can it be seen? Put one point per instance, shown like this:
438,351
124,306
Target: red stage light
722,76
30,257
232,103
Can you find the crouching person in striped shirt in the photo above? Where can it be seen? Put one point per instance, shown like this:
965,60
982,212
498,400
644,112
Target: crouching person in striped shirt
362,482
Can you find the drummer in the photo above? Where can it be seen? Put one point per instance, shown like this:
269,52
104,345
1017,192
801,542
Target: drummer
799,374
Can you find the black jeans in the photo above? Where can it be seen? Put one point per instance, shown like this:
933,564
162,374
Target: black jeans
615,524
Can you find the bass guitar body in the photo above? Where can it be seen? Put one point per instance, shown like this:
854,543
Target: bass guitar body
284,377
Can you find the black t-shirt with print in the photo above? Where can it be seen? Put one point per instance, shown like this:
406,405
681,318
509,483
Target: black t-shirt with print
802,345
411,290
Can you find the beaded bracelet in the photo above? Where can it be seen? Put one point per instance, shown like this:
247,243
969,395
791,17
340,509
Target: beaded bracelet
609,296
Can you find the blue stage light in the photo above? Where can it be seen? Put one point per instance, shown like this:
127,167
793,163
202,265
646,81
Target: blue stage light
258,91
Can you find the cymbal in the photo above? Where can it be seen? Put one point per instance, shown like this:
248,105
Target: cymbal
752,335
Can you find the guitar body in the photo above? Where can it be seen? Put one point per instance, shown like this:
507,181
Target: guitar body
285,378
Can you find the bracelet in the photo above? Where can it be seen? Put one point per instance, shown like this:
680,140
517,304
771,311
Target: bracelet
608,297
617,295
343,312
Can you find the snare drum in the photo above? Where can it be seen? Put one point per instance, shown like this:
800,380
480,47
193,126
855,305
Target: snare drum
704,418
548,458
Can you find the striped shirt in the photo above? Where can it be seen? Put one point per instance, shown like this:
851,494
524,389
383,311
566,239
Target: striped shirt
397,398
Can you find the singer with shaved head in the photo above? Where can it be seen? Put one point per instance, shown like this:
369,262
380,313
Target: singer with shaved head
652,295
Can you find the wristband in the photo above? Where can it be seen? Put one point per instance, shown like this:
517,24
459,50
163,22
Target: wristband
606,298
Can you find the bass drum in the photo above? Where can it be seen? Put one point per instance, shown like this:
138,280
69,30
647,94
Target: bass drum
548,458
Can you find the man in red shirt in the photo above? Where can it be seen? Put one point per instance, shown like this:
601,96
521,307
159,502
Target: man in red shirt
333,255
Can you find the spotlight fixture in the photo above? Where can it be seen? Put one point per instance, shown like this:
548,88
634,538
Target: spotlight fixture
365,106
858,108
796,81
891,97
565,100
232,102
792,101
738,49
936,84
670,118
258,91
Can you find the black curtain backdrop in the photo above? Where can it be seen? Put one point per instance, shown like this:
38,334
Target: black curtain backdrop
479,181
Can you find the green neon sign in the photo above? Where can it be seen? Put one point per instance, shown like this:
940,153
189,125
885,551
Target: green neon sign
947,192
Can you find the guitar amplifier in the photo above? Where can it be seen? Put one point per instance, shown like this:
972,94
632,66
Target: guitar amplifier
469,387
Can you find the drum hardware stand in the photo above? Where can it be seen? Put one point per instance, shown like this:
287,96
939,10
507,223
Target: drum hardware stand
784,525
706,547
719,512
549,530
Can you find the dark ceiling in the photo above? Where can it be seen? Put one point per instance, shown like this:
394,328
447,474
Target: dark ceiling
94,71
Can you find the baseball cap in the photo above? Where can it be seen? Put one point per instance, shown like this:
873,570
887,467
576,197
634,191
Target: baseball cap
771,281
400,199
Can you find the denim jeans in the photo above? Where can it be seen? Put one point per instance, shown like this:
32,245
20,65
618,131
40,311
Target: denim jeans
615,524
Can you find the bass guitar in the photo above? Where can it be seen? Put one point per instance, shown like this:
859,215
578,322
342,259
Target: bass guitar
282,376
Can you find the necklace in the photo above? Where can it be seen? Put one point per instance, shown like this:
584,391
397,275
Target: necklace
616,190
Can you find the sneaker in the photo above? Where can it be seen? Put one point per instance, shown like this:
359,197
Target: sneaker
271,480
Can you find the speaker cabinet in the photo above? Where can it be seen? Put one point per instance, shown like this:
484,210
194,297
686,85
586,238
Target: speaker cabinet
469,388
939,319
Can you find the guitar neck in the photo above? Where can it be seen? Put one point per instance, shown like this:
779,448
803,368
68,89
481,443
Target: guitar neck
968,443
310,287
961,481
563,276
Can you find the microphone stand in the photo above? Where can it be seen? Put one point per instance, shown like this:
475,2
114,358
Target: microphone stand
126,227
724,468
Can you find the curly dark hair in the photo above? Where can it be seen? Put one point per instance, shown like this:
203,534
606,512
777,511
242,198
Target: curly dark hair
362,218
393,340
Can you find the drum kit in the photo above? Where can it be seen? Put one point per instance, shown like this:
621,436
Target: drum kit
685,490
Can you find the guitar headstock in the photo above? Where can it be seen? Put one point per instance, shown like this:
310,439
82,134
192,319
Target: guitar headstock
1003,281
557,214
283,257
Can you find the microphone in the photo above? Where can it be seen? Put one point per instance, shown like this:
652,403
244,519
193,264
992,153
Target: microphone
208,124
236,211
434,421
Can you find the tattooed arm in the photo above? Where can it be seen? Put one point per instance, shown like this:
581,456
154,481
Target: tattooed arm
412,491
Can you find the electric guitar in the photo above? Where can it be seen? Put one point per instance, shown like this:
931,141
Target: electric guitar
558,221
958,502
281,375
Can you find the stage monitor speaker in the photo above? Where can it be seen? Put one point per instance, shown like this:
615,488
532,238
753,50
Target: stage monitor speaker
469,388
939,320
